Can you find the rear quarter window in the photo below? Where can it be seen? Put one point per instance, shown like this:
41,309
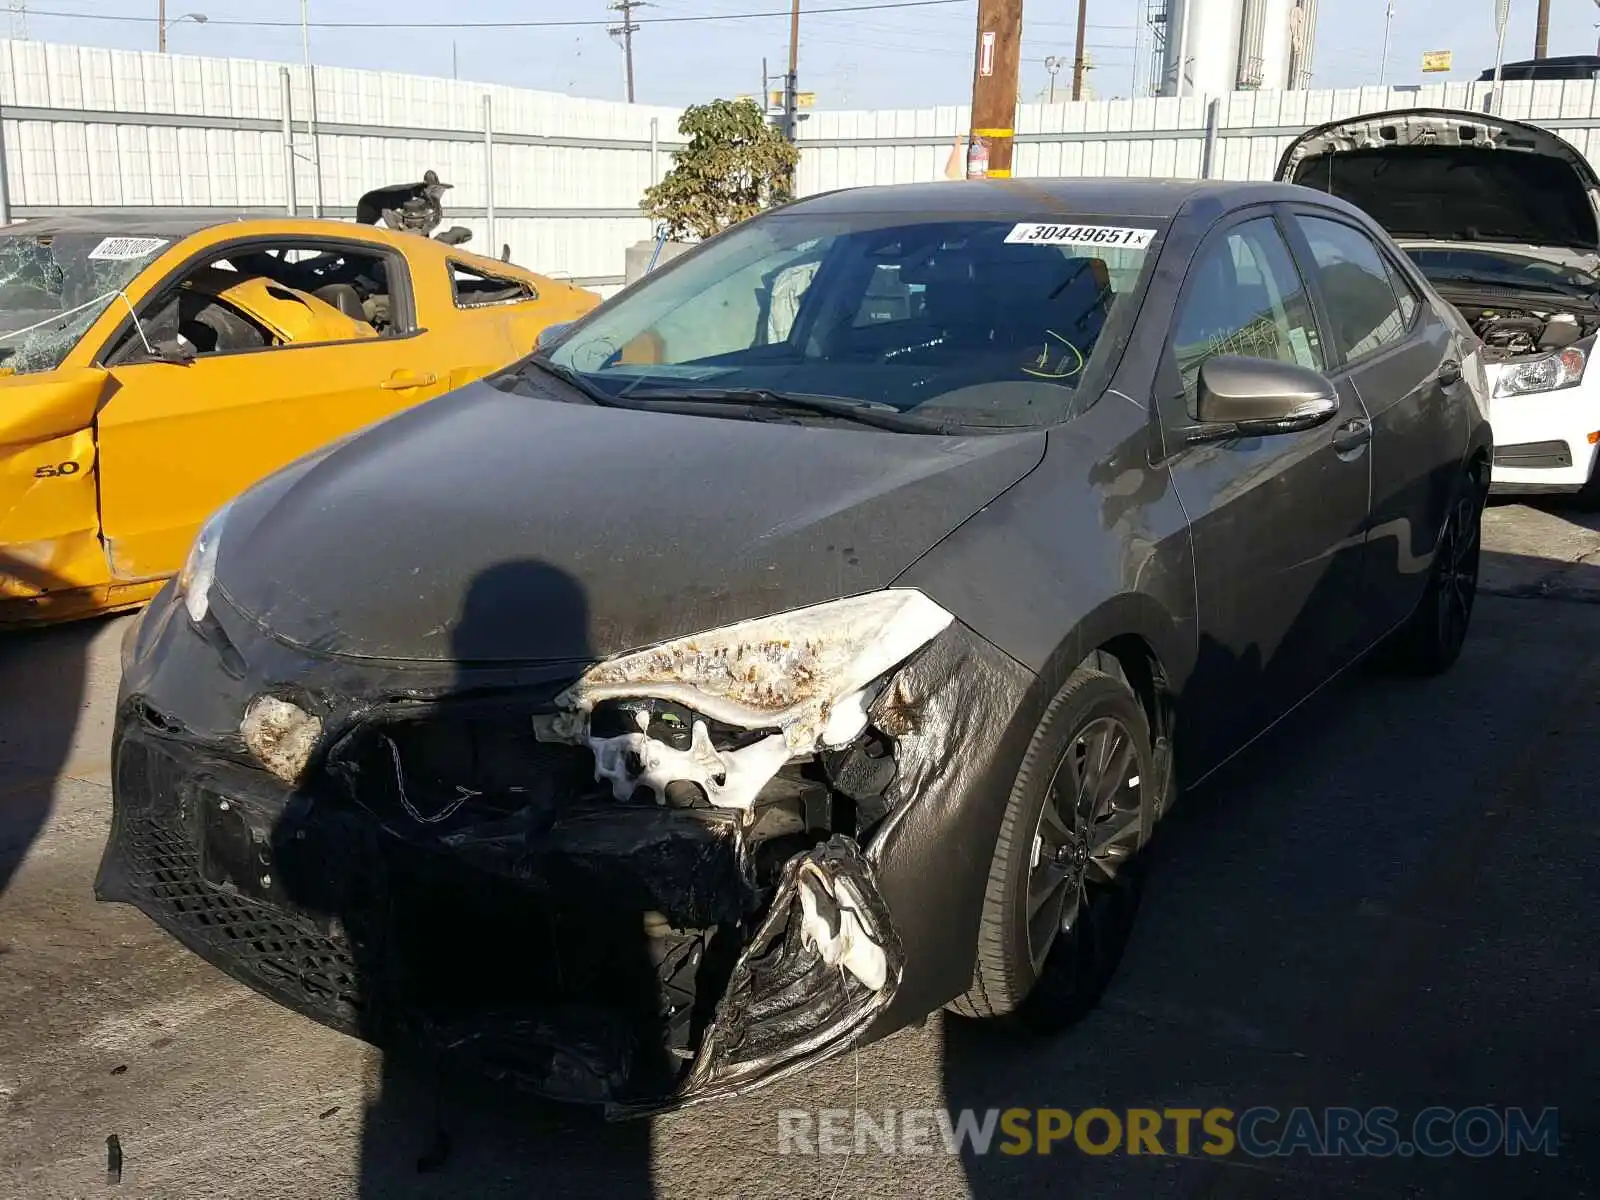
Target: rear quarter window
471,288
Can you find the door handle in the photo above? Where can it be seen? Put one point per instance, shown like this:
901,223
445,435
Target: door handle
1449,372
401,380
1352,435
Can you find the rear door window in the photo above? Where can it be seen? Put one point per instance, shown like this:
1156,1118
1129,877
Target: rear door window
1362,306
1404,293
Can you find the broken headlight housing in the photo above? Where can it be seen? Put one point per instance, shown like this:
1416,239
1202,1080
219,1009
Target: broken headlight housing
1548,373
801,680
200,569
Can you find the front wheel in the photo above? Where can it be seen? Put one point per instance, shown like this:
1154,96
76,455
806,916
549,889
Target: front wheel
1064,882
1430,642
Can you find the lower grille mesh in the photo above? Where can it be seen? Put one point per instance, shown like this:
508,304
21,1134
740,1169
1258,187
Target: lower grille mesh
303,966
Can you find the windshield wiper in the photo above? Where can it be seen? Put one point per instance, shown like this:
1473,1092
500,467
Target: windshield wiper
1517,283
571,378
862,412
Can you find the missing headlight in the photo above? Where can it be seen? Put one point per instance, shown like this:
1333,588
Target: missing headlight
724,710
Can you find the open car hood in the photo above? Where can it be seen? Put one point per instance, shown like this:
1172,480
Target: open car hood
1452,175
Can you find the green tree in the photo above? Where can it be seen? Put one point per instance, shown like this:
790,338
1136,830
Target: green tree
735,165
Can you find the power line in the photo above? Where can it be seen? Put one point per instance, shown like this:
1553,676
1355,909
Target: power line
1101,58
964,29
739,16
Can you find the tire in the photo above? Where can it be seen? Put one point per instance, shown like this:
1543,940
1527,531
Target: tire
1430,641
1587,498
1045,972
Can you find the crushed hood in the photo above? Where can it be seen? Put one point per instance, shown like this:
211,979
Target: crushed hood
1452,175
487,526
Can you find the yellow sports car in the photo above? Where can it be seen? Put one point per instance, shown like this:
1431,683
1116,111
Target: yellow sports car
153,367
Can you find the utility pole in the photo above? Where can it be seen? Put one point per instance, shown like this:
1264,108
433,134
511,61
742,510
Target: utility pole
161,26
994,85
1541,30
791,81
1383,59
1078,63
625,31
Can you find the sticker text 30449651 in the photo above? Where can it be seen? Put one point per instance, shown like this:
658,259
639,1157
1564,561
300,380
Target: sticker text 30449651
1042,233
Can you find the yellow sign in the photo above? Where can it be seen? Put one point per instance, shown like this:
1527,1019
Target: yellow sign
801,99
1436,60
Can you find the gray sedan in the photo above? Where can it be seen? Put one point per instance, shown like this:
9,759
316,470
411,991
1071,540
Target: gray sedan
810,637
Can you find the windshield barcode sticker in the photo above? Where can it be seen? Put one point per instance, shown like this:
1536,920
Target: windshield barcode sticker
123,248
1038,233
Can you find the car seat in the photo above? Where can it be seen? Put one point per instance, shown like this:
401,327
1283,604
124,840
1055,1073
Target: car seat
343,297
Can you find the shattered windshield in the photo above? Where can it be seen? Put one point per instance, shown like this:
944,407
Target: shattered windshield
54,286
977,323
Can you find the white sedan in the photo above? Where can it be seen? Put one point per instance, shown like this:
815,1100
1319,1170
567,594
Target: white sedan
1501,217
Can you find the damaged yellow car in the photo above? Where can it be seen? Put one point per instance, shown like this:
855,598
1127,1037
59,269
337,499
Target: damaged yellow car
153,367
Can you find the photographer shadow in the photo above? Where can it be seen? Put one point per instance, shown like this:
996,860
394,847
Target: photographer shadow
434,1124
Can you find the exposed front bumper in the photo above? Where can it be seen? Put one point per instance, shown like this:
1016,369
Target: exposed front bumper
637,957
1543,442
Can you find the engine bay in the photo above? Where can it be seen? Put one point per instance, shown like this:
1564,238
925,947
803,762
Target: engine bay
1509,331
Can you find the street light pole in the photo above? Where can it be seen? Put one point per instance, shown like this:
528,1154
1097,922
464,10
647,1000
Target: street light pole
1502,17
1383,60
1053,65
311,112
1183,47
162,23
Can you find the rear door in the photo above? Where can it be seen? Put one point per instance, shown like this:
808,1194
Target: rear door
1405,363
1277,521
176,441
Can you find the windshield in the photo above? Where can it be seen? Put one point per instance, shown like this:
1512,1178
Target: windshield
1509,269
987,323
54,286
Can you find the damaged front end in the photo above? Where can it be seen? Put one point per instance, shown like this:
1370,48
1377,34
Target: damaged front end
657,885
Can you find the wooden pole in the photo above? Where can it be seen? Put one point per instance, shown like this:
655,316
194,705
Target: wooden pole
994,81
1078,63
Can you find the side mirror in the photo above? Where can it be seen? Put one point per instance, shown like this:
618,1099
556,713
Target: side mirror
171,350
1258,397
551,334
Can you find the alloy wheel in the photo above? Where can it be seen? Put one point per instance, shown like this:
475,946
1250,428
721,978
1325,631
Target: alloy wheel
1457,581
1090,826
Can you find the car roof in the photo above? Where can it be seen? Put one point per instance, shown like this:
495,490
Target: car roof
128,222
1151,198
176,226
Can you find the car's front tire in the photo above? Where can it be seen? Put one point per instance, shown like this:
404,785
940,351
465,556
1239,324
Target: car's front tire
1064,882
1430,642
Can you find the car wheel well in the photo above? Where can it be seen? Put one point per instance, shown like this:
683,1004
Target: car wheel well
1134,661
1480,465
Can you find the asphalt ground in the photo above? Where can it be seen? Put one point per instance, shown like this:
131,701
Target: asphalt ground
1389,902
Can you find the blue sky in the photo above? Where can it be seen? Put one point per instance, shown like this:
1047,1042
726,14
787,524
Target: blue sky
905,58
